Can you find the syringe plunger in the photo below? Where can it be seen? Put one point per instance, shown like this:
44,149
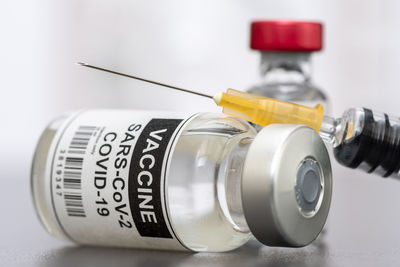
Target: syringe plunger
368,140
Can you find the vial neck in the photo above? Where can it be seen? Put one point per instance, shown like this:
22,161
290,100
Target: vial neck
285,67
230,178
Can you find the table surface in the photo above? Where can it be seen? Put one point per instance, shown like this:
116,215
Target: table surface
362,230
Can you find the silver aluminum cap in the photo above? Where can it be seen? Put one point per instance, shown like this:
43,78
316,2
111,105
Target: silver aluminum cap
286,185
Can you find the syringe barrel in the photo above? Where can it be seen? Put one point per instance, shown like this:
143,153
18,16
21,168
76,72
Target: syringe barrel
370,141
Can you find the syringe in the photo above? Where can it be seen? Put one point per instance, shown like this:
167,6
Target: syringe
254,108
360,138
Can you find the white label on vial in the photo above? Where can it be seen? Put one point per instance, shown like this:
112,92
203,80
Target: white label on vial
108,178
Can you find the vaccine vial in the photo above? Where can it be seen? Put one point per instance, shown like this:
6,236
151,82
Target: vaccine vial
173,181
285,68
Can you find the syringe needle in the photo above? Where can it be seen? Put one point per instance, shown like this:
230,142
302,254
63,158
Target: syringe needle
254,108
144,80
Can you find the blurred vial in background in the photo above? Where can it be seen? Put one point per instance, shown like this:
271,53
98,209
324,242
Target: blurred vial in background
285,67
286,48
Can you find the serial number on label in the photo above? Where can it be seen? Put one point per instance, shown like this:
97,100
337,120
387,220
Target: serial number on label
118,166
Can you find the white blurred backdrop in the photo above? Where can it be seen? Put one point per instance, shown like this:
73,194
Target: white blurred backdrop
195,44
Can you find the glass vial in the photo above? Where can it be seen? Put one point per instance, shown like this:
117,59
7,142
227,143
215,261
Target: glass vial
285,68
157,180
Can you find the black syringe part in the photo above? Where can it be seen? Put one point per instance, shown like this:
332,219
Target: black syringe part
378,145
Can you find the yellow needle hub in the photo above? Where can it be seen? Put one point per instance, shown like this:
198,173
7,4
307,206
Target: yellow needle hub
264,110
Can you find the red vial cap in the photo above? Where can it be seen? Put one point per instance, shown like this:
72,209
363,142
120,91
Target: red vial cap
281,35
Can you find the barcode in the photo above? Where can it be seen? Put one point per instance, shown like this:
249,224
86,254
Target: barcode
81,139
73,173
74,204
72,178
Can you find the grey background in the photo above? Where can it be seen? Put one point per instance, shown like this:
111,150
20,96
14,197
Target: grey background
201,45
